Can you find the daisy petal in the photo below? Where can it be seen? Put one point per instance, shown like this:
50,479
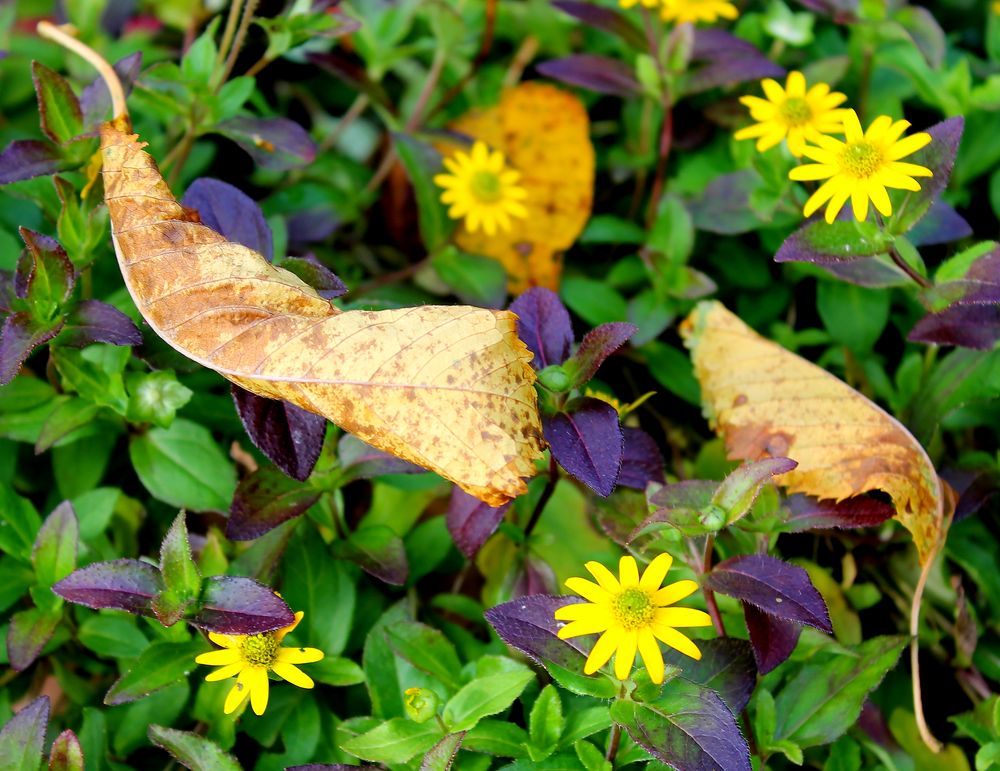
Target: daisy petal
237,694
292,674
652,657
753,131
836,203
224,673
299,655
674,592
603,650
896,180
859,204
681,617
677,640
628,572
575,611
821,196
604,577
655,572
812,171
219,657
880,198
584,626
280,634
895,131
625,655
225,640
588,590
878,128
910,169
773,139
772,90
259,688
908,145
795,85
852,127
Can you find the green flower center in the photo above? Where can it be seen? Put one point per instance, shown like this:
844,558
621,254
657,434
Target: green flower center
634,608
260,650
861,159
795,111
485,186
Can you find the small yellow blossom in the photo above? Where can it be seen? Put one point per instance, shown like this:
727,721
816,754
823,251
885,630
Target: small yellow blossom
250,657
862,167
632,614
623,410
996,7
646,3
793,113
481,189
694,11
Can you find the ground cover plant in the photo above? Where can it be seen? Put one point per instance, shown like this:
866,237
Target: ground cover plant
500,384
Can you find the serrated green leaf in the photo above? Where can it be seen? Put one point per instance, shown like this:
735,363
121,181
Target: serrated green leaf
394,741
193,751
483,697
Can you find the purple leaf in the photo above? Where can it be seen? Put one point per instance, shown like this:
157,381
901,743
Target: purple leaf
974,490
234,605
21,334
93,321
806,513
842,11
27,158
773,639
588,443
605,19
66,754
642,462
726,666
378,551
726,59
689,494
941,225
312,225
724,206
471,522
534,576
22,739
362,461
317,275
528,625
774,586
231,212
29,632
825,243
265,499
939,157
544,326
326,767
874,273
95,100
274,143
289,436
597,345
123,584
970,326
597,73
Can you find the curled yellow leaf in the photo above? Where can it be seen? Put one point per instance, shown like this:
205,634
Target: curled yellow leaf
544,132
767,402
448,388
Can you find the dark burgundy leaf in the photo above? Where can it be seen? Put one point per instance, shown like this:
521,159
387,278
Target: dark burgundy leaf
528,625
378,551
605,19
597,345
642,462
233,605
806,513
974,489
535,576
726,666
231,212
773,639
873,723
362,461
588,442
941,225
970,326
123,584
95,100
782,589
726,59
22,739
274,143
21,334
544,326
471,522
26,158
290,436
874,273
317,275
28,634
939,157
93,321
597,73
265,499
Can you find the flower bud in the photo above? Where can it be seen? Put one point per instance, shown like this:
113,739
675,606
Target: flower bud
421,704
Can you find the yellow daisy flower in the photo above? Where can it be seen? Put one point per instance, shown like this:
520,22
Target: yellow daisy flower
623,410
480,189
792,113
632,614
862,167
682,11
250,657
646,3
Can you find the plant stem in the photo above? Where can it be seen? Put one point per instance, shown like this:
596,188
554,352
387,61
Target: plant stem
666,140
227,36
918,704
616,738
550,487
713,606
484,51
241,33
59,34
908,269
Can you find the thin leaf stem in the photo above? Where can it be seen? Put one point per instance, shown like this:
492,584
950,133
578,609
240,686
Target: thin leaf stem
550,487
710,602
613,743
235,6
904,266
918,704
61,36
249,9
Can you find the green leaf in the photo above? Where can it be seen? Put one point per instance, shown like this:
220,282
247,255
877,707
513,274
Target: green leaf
497,737
28,634
824,699
192,751
592,300
584,723
95,373
66,755
184,467
19,524
23,737
394,741
54,554
112,635
442,754
422,162
854,316
57,104
546,722
591,757
483,697
180,574
155,397
198,64
475,279
338,671
428,650
66,418
673,370
161,665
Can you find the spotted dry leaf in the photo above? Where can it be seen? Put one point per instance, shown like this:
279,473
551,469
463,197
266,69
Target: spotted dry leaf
767,402
448,388
544,133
